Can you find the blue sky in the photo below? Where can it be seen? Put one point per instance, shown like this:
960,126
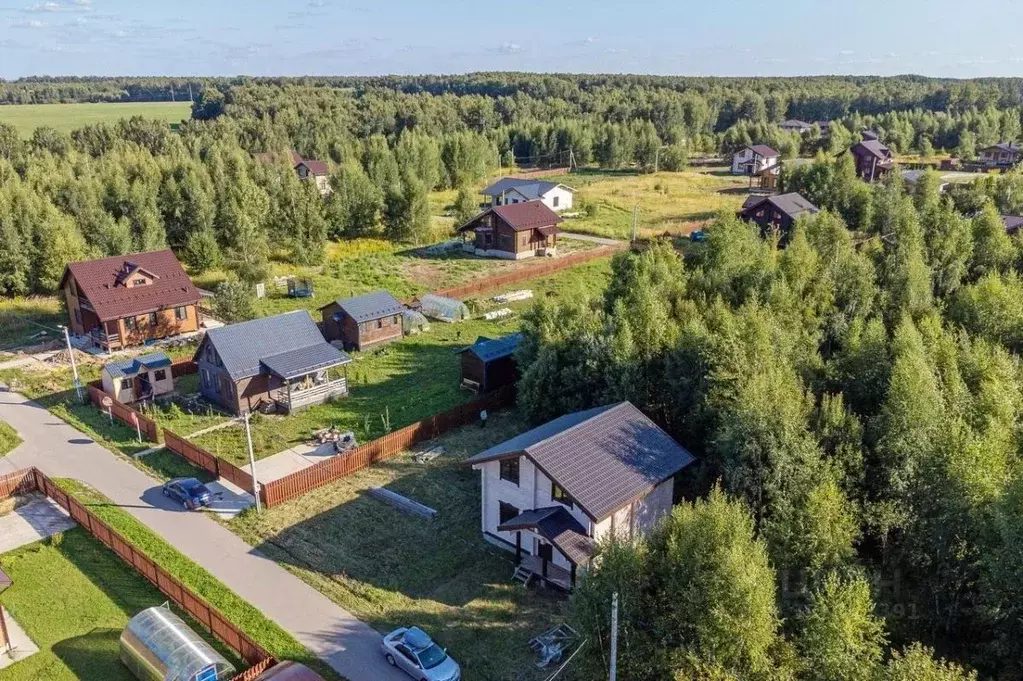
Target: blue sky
366,37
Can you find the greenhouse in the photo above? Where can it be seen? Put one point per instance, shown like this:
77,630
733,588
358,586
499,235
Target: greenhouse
157,645
413,322
443,309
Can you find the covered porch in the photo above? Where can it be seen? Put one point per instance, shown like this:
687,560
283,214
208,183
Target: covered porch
558,531
309,375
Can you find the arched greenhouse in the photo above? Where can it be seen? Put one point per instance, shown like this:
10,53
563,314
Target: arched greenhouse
157,645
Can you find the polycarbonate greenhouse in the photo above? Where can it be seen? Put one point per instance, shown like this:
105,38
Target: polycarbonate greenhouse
443,309
413,322
157,645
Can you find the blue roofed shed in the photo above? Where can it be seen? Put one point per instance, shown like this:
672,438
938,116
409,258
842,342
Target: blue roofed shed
489,363
138,378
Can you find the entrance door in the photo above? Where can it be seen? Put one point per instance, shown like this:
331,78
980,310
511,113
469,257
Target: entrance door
545,551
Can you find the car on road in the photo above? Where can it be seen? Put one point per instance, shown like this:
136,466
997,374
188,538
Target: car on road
411,650
189,492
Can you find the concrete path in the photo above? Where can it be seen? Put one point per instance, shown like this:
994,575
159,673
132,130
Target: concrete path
21,645
346,644
589,237
290,460
38,519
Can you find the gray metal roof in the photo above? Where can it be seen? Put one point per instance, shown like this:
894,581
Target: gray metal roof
604,458
560,527
489,349
371,306
244,346
875,148
531,189
131,367
293,363
791,204
1012,223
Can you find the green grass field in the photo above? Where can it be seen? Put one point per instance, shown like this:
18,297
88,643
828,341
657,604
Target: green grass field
392,569
8,438
67,117
29,320
73,597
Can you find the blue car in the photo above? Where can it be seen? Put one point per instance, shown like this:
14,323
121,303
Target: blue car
698,235
189,492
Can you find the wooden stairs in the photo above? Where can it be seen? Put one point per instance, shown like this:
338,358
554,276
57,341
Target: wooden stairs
522,574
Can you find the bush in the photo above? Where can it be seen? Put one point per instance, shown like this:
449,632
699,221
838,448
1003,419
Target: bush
234,302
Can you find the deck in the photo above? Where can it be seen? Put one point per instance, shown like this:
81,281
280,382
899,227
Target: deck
558,576
314,395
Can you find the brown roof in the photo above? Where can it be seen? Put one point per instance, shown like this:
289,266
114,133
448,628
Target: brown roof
102,283
520,216
874,148
315,167
764,150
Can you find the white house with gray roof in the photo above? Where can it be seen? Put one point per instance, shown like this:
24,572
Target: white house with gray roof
508,190
551,493
281,360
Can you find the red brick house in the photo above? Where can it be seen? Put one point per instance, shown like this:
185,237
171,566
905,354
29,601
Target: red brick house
513,231
873,160
126,300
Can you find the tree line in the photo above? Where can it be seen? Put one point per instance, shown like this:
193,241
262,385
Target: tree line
855,403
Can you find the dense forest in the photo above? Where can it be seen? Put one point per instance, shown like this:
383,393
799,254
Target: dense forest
855,401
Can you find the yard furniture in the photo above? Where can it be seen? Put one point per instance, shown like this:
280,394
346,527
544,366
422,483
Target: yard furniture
550,645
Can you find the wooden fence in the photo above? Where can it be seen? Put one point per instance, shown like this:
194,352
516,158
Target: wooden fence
202,612
337,467
183,368
208,462
122,412
480,286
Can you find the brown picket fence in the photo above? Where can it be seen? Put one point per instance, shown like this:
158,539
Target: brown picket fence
122,412
518,275
183,368
208,462
30,480
337,467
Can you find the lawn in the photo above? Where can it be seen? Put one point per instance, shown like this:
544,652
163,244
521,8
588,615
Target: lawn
275,640
73,597
29,320
67,117
399,383
8,438
672,202
392,569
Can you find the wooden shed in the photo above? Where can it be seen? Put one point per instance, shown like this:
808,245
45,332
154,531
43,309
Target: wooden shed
363,321
139,378
489,363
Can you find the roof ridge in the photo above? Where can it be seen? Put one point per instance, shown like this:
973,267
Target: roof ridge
605,409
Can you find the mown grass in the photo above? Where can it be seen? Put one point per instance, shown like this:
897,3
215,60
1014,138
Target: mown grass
9,438
67,117
73,597
391,569
29,320
668,202
400,383
275,640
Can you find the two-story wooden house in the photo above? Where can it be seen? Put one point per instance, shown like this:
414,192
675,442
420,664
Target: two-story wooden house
873,160
1001,155
364,321
754,159
776,212
126,300
281,360
551,493
512,231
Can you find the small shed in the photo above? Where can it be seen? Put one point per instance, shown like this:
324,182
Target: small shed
489,363
289,671
157,645
442,308
139,378
363,321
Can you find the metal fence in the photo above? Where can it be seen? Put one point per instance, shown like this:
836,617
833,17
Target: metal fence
337,467
31,480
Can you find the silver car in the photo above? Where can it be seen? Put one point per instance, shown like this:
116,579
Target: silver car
411,650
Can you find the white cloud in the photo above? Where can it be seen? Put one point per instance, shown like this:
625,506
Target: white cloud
846,53
508,48
591,39
61,6
31,23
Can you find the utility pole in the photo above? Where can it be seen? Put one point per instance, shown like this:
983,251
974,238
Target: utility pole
74,367
635,220
571,159
614,637
172,92
252,465
190,93
657,159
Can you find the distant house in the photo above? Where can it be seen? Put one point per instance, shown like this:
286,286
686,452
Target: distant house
512,231
305,168
825,128
1001,155
751,160
873,160
778,212
489,363
127,300
795,125
554,195
911,177
281,360
869,135
1013,223
139,378
553,492
361,322
769,176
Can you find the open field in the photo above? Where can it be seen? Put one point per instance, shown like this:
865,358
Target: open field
73,596
392,569
269,635
66,117
29,320
668,202
8,438
401,382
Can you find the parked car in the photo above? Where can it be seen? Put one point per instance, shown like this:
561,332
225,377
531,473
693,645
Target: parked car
191,493
698,235
411,650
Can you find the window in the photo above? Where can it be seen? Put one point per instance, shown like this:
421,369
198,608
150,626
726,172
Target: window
555,200
560,495
510,470
380,323
125,384
181,313
129,323
138,282
407,654
506,512
152,319
205,378
161,374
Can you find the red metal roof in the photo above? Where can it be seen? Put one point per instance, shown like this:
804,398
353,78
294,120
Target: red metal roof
101,282
315,167
528,215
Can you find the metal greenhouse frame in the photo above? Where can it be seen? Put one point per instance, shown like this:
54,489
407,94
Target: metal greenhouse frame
157,645
442,308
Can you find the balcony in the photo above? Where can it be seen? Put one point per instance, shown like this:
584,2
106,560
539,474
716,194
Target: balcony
296,398
104,339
